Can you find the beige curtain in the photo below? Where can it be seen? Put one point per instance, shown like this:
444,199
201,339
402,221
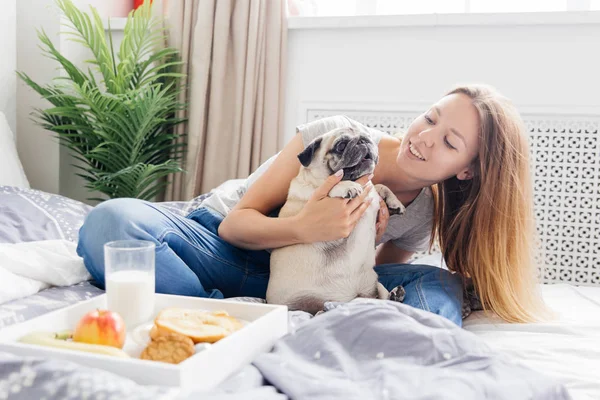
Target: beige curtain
234,53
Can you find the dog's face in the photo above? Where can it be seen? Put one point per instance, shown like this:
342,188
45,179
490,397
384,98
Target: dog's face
341,148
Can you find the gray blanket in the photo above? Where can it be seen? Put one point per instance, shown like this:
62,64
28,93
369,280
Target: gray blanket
365,349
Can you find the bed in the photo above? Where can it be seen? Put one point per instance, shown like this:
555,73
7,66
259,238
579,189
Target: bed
565,353
567,349
398,352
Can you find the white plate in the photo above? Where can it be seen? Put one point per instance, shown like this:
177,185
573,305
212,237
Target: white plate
206,369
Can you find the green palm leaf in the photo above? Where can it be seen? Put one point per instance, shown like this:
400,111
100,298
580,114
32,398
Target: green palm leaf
121,131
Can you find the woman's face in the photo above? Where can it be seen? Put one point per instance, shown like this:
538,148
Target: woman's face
442,142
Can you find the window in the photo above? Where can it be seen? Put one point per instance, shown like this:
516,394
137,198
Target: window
327,8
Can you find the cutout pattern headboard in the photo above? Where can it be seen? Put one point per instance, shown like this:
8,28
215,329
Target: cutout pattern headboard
565,154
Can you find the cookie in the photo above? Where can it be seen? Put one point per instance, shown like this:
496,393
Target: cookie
171,348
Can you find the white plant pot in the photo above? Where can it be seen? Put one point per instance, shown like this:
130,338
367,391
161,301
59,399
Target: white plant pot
113,8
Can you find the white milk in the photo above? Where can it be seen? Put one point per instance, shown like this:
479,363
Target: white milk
131,294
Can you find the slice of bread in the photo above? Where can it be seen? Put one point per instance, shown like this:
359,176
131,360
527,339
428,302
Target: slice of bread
200,326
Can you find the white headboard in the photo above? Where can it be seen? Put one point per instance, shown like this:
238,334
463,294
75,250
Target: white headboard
565,152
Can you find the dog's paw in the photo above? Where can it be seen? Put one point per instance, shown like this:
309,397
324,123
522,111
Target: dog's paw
346,190
394,205
397,294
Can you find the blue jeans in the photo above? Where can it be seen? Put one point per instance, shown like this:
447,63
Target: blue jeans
192,260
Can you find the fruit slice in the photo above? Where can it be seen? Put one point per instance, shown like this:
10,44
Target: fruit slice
200,326
57,340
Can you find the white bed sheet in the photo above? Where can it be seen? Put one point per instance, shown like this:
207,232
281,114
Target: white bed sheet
567,349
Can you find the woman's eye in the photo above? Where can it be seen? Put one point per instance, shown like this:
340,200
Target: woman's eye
448,144
429,120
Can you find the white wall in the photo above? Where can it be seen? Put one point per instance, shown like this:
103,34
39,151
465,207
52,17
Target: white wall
537,61
38,149
8,63
549,65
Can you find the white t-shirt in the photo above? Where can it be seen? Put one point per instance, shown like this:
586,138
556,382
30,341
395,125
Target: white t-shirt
410,231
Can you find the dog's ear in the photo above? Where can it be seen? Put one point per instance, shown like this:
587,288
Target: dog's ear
309,152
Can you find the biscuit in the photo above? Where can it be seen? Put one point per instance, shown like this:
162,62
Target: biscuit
171,348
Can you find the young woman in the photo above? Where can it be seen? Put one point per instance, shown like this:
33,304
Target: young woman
461,168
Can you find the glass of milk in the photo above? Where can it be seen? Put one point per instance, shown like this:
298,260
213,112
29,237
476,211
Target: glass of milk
130,281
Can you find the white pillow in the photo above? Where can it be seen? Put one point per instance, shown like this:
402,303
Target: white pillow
11,169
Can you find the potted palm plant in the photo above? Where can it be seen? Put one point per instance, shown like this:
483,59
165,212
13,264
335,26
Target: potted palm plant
116,116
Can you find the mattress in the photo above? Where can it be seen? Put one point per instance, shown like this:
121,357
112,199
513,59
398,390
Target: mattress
567,348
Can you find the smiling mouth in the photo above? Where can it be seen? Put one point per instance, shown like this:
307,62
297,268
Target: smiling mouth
413,150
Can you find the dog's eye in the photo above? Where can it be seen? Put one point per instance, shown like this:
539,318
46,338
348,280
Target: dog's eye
341,146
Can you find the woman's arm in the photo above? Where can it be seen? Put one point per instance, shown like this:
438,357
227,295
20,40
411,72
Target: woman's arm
388,253
322,218
246,225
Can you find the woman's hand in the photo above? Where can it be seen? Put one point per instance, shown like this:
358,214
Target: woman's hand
383,217
325,218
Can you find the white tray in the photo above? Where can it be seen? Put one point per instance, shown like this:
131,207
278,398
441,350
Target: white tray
202,371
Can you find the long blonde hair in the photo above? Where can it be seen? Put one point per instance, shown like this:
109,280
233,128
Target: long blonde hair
485,225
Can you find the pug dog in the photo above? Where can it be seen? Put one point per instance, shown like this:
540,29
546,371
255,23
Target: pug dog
305,276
